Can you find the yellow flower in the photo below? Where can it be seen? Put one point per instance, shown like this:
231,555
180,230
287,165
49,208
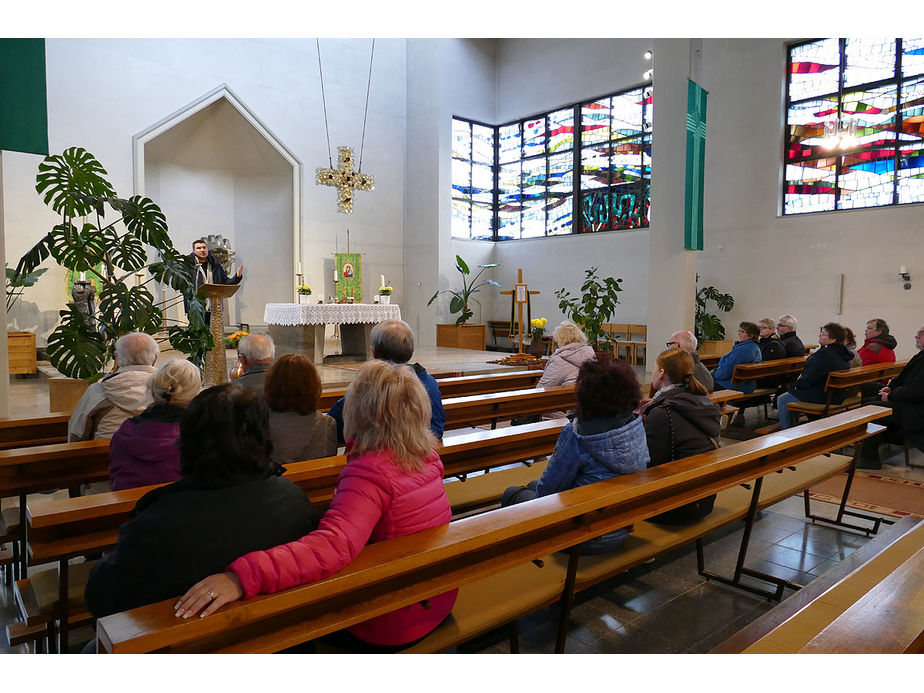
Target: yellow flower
303,289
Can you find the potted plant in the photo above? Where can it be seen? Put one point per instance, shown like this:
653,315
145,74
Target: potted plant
709,330
385,293
460,334
537,334
304,291
594,307
74,185
20,343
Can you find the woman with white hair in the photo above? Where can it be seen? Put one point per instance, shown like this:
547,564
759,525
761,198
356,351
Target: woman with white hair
144,451
566,360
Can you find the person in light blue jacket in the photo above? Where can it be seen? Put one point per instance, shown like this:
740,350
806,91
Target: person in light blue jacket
606,438
747,350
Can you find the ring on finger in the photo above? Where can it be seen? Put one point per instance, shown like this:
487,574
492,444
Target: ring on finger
211,594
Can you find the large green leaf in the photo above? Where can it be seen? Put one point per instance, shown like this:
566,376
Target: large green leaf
74,347
461,265
191,340
144,219
195,311
128,253
78,250
13,279
126,309
72,181
34,257
175,269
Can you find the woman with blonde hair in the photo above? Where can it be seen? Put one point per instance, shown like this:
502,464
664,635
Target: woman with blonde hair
392,485
143,450
566,360
680,420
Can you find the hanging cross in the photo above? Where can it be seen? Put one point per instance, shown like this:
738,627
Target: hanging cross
520,296
344,179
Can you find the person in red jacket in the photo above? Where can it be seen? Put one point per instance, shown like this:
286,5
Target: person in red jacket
392,485
879,346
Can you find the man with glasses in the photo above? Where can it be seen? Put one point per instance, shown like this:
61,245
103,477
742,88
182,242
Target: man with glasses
686,341
905,396
786,327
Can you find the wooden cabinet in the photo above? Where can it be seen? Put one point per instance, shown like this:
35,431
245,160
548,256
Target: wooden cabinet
461,336
21,352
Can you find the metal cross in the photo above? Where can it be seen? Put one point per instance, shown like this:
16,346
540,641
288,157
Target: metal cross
344,179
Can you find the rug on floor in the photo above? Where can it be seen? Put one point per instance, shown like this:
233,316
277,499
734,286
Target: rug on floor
876,493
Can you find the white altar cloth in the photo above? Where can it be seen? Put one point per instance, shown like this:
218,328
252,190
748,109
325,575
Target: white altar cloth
329,313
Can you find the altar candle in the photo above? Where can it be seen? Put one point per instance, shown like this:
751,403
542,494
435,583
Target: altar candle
383,281
335,275
903,270
83,276
299,267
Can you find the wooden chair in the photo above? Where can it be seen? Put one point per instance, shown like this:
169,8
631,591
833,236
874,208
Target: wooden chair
631,345
615,332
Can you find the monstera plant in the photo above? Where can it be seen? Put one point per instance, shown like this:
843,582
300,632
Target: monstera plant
74,185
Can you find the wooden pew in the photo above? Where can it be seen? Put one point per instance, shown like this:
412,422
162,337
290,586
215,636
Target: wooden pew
710,361
33,430
747,372
839,381
870,602
470,553
499,406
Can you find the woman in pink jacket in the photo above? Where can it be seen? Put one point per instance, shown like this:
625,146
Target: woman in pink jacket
392,485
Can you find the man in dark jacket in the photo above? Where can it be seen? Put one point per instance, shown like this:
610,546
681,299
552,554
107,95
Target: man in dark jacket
256,353
209,270
686,340
771,346
810,387
786,327
905,396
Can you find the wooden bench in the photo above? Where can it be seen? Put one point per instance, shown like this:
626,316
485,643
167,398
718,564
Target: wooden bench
502,328
500,406
839,381
775,368
484,554
870,602
33,430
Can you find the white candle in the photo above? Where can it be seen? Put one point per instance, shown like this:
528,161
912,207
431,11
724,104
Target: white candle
383,281
903,270
83,276
299,267
335,275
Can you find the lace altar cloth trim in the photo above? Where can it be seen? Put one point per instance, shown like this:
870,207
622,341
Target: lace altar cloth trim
328,313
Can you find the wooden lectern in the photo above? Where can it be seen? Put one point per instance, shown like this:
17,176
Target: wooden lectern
216,368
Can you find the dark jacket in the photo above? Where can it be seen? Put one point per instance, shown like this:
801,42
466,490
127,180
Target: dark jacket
745,351
184,532
144,450
771,348
810,386
702,374
255,377
792,344
907,398
219,276
679,424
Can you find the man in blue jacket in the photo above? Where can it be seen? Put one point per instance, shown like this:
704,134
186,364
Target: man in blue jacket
746,350
393,340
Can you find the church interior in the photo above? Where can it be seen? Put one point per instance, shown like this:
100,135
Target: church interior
230,137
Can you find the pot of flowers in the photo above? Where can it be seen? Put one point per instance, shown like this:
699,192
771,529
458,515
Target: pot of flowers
304,293
231,342
537,345
385,293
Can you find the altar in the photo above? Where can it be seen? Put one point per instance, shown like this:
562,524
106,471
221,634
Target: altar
299,328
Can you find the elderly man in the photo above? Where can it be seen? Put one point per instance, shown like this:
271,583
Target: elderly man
905,396
256,353
393,340
879,345
120,395
786,327
686,340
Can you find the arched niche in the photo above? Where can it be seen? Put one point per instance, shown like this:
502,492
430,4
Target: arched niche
215,168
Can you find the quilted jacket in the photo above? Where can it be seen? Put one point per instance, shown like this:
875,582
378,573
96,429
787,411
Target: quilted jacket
374,500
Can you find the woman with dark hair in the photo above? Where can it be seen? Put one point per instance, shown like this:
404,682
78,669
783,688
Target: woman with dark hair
746,350
392,485
228,502
810,387
606,438
680,420
298,430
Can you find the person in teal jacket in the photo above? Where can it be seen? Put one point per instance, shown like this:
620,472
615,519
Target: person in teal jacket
747,350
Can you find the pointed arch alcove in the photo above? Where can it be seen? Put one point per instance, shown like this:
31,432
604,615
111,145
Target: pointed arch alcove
215,168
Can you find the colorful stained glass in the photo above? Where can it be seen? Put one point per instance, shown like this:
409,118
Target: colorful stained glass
865,179
911,174
461,178
534,137
595,121
509,145
595,211
595,164
508,222
533,220
561,173
912,114
559,214
482,183
810,186
815,69
482,221
461,139
482,144
508,184
561,130
627,115
868,60
912,57
461,223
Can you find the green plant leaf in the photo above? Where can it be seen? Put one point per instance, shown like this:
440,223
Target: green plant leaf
191,339
145,220
34,257
23,280
72,181
176,270
128,253
74,347
456,304
126,309
77,250
460,265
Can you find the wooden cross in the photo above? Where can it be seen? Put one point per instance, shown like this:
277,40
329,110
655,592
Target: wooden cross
344,179
519,294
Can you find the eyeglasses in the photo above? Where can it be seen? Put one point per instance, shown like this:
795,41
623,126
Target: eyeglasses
670,344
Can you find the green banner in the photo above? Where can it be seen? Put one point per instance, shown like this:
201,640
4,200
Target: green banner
349,274
696,164
23,102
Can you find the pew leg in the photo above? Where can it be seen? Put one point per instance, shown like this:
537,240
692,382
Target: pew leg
513,631
567,598
23,539
63,594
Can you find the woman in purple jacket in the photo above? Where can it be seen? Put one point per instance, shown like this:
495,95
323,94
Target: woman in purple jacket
144,451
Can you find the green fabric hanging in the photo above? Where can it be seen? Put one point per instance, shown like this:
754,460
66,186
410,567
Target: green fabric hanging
23,102
696,164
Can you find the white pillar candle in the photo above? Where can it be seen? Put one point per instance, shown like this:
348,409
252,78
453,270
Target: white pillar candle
383,281
903,270
83,276
335,275
299,267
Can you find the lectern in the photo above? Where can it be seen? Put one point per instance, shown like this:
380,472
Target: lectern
216,368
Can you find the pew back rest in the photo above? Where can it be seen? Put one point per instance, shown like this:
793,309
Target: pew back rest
852,377
34,430
767,369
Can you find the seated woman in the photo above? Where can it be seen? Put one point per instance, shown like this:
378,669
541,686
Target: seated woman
225,505
572,351
392,485
746,350
810,387
605,439
298,430
680,420
143,450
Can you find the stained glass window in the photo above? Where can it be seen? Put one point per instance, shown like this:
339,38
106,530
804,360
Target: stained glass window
472,180
855,124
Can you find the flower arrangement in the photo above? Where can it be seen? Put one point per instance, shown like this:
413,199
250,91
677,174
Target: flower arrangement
385,290
303,289
538,327
232,340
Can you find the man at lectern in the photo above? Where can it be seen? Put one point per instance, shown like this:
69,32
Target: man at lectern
209,270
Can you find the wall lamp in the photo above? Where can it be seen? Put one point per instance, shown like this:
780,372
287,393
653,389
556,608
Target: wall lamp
903,273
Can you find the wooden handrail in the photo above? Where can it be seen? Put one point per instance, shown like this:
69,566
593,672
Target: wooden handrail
767,369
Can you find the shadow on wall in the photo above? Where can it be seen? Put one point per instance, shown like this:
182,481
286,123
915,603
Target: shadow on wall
26,316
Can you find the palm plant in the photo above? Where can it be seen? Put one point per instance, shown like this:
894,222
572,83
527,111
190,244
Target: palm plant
708,326
460,299
74,185
595,306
